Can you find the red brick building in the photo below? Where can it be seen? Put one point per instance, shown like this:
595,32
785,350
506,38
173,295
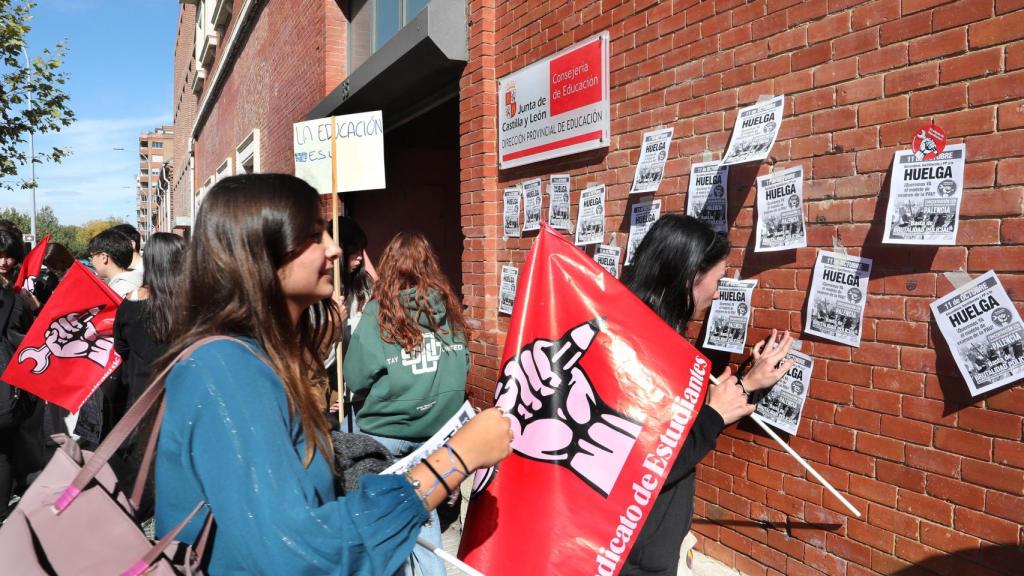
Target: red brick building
939,476
156,158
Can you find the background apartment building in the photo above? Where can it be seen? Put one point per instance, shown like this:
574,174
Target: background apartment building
939,475
156,158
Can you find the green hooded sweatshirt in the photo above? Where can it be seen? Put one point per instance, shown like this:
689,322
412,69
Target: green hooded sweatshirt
409,395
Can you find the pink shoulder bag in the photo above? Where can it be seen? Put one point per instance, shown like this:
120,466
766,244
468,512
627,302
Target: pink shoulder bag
76,519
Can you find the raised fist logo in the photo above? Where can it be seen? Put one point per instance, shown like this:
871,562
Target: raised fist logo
556,414
927,147
70,336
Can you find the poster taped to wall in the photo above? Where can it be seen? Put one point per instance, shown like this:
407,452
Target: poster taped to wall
706,197
507,289
650,170
984,333
839,289
780,211
531,204
730,316
590,220
924,197
608,257
360,152
558,207
784,403
511,212
642,216
755,131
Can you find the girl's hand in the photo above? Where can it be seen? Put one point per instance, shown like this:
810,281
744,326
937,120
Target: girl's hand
766,369
485,440
728,399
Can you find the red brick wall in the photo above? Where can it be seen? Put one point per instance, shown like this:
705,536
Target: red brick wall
888,423
286,65
184,106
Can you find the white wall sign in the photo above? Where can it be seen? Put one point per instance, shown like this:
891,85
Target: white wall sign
556,106
360,148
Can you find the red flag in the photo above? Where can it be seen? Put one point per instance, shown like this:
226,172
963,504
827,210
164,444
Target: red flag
69,350
602,394
32,265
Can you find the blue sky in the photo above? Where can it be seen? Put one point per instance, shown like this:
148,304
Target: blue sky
120,61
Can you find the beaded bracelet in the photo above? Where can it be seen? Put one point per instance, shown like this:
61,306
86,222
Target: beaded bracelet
423,498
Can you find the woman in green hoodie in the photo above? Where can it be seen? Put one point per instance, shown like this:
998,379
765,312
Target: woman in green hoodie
408,357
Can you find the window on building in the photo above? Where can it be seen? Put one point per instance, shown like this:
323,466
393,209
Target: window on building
157,145
156,158
374,22
207,36
154,171
247,154
224,170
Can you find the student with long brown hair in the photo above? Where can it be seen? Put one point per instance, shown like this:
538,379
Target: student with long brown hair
408,356
244,428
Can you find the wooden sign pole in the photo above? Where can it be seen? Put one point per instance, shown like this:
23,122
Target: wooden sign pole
337,269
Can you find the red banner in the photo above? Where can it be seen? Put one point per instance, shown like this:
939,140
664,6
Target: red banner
602,394
69,350
32,265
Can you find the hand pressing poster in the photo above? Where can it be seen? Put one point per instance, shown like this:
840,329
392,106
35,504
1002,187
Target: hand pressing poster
558,208
641,218
780,211
924,197
706,198
608,257
839,289
507,290
531,204
511,213
590,220
782,405
730,316
755,131
651,168
984,332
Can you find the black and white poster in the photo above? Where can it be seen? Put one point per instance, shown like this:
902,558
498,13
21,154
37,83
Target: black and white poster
784,403
924,197
780,211
507,290
984,332
642,216
730,316
651,168
590,220
558,207
755,131
531,204
511,212
706,198
839,290
608,257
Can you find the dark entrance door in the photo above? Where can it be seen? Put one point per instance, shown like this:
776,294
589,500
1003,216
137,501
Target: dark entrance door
422,162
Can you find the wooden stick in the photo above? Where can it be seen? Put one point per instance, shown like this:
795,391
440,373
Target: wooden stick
764,426
337,269
444,555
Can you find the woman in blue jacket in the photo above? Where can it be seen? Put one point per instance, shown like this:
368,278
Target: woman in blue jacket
245,428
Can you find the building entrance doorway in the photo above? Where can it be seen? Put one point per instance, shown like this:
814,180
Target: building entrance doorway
422,169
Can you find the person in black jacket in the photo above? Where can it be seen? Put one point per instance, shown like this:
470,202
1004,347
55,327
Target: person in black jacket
15,405
676,272
142,324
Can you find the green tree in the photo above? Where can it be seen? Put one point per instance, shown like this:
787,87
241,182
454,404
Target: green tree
40,82
74,238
